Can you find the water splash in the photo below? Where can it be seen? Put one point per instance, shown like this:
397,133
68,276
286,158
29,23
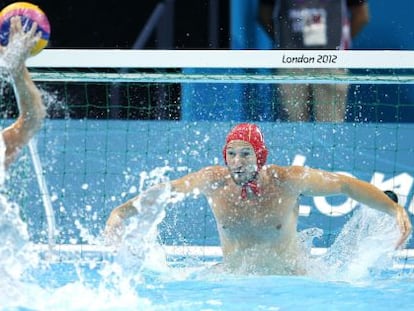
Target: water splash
365,245
44,191
139,246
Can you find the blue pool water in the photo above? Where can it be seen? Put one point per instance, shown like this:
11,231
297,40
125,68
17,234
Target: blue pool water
68,286
363,275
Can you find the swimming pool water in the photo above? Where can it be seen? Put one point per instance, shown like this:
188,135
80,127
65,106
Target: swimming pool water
193,288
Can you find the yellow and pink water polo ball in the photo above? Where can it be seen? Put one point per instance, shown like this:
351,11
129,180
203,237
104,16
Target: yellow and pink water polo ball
29,13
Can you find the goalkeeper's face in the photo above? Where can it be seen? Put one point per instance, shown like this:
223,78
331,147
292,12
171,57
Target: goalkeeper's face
241,161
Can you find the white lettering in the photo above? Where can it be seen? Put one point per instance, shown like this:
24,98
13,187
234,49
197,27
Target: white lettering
299,160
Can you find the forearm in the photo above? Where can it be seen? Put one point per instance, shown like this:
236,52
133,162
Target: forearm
369,195
31,115
29,100
147,207
126,210
115,224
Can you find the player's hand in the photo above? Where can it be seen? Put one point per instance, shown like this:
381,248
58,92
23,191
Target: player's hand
19,46
114,230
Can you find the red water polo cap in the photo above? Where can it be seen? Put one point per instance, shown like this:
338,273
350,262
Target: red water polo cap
250,133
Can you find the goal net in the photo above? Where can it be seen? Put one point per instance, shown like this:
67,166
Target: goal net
120,120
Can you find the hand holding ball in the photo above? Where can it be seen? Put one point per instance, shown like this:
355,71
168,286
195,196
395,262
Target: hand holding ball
29,14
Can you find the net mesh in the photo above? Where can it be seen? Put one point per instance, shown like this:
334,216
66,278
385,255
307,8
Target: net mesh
111,132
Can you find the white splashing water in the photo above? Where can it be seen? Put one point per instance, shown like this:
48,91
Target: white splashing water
139,246
19,258
366,242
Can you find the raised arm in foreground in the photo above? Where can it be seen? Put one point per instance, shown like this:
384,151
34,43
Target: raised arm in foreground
315,182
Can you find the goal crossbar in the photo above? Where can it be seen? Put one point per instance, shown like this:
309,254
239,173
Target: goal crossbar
115,58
